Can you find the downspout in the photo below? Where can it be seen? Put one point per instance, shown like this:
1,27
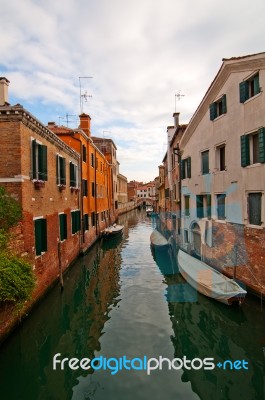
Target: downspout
95,179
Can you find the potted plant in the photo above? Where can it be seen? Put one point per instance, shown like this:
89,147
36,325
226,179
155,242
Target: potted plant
38,183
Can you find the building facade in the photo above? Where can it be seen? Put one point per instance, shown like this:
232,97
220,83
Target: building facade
36,169
222,173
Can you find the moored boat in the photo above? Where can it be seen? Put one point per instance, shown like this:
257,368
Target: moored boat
113,231
209,281
158,240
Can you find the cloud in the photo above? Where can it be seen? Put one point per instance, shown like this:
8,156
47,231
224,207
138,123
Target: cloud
140,55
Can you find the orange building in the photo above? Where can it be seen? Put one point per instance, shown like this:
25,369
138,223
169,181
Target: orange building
95,175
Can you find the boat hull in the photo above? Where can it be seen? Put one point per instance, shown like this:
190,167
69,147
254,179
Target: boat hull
208,281
113,231
158,240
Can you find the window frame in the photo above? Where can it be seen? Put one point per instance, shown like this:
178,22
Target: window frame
204,172
41,237
220,216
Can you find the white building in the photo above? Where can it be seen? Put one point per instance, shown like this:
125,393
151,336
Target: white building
223,172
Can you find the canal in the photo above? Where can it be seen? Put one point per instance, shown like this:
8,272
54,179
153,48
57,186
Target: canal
120,300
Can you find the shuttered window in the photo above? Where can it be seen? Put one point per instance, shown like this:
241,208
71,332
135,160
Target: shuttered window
249,88
253,148
84,153
187,205
203,206
63,226
40,226
84,187
254,208
39,161
86,222
75,219
218,108
185,168
73,175
220,200
93,189
60,170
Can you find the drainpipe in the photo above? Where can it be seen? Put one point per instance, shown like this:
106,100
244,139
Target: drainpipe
176,151
95,179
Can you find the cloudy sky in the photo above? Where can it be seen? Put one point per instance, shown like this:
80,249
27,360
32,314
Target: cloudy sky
140,54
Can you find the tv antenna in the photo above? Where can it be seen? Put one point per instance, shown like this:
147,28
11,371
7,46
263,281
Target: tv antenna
83,96
178,96
66,118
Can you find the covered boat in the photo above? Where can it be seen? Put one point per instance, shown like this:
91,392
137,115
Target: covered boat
209,281
113,231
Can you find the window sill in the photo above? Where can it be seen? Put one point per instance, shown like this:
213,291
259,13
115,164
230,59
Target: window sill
252,98
221,221
219,117
217,172
254,165
255,226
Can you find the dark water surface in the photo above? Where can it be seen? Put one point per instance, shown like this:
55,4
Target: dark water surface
117,302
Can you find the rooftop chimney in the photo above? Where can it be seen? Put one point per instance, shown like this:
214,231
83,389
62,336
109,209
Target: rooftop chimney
176,119
85,123
4,91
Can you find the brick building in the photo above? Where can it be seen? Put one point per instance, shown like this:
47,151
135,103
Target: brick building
38,169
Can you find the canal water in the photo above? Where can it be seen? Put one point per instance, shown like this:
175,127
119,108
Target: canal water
121,300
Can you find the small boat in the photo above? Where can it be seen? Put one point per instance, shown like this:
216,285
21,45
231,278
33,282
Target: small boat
209,281
113,231
158,240
149,211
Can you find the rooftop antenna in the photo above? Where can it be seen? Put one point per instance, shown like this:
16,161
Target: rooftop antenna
85,95
178,96
66,118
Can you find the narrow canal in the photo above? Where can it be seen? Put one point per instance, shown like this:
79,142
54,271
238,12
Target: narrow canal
121,300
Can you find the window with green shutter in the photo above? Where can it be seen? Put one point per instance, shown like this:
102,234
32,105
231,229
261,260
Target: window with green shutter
39,161
40,226
73,175
185,169
249,88
199,206
84,187
203,206
218,108
254,208
253,148
76,223
60,170
86,222
220,201
63,226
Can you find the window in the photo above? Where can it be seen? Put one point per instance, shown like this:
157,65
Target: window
218,108
187,205
84,153
60,170
40,225
249,88
254,208
253,148
84,187
92,160
73,175
186,168
63,226
186,236
39,161
86,222
93,189
75,216
96,163
93,219
220,158
205,162
203,205
220,200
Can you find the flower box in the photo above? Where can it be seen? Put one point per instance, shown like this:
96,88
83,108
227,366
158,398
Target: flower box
74,189
62,187
38,184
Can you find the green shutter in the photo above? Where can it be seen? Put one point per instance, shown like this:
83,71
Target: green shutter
44,234
199,206
72,175
57,170
40,236
213,111
37,224
85,222
224,108
78,222
44,166
245,157
73,222
182,169
63,226
243,91
261,133
63,172
256,84
188,167
33,159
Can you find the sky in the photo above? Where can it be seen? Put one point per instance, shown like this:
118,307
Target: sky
139,55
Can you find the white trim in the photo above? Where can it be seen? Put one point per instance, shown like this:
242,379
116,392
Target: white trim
41,217
7,180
